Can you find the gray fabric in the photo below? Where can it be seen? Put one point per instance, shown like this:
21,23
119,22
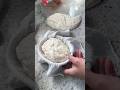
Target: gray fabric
55,69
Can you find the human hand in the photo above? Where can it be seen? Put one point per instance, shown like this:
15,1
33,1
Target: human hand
78,66
105,80
102,82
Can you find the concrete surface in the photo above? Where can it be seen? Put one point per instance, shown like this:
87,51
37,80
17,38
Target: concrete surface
14,12
105,18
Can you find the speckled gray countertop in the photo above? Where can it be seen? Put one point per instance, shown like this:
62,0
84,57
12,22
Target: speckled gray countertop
59,82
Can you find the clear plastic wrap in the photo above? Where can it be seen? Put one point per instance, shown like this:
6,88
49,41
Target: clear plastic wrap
69,7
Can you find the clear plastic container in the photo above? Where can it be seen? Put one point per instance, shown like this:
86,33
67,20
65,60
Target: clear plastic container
69,7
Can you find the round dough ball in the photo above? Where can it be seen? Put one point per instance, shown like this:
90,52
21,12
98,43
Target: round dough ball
63,22
55,50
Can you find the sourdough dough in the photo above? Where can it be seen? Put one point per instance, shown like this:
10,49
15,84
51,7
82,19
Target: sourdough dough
55,50
63,22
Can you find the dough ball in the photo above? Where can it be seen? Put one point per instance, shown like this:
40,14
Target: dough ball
55,50
63,22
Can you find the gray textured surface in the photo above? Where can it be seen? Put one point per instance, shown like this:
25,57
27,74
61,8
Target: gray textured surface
59,82
11,19
105,18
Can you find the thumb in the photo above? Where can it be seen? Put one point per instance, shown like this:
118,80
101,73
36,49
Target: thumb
75,60
92,79
70,71
78,53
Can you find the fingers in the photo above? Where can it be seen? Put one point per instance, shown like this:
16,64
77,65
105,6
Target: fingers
95,68
75,60
105,67
109,68
77,69
102,66
68,65
70,71
99,66
78,53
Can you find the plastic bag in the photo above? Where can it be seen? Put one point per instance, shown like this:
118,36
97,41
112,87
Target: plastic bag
69,7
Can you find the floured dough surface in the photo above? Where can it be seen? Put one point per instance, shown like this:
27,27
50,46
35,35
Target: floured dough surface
63,22
55,50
